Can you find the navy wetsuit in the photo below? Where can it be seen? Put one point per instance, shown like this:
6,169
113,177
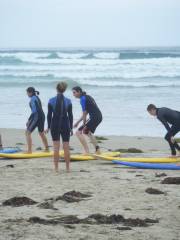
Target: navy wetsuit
37,117
60,117
89,105
170,117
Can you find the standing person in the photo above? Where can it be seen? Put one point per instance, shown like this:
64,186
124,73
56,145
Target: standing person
60,122
89,107
1,145
171,120
36,119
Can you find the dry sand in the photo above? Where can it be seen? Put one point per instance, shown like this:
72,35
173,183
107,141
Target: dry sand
114,190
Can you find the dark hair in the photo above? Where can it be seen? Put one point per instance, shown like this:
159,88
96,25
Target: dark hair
79,89
32,90
151,107
61,87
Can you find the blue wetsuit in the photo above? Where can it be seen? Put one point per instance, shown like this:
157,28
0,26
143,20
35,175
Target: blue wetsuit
37,117
89,105
60,117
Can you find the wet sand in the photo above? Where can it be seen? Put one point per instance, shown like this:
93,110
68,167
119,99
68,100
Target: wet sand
111,189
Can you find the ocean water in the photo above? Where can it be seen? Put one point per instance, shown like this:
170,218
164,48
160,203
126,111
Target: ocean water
122,81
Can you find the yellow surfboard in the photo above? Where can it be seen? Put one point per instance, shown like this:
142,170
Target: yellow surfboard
139,159
29,155
74,157
81,157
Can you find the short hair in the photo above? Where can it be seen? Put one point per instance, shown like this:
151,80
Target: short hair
151,107
61,87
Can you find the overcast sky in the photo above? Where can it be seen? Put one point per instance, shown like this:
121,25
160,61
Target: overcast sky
89,23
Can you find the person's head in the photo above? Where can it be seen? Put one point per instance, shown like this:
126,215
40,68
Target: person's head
152,109
61,87
31,92
78,92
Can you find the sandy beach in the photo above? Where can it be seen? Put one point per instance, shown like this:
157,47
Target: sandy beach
111,190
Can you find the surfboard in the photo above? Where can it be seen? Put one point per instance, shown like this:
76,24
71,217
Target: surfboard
27,155
10,150
141,159
74,157
161,166
80,157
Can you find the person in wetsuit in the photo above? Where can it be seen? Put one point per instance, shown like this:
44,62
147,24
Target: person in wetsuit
171,120
36,119
89,107
1,145
60,122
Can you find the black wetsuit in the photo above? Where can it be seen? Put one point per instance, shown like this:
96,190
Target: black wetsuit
60,117
170,117
37,117
89,105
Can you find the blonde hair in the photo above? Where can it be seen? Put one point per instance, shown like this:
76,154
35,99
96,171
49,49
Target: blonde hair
61,87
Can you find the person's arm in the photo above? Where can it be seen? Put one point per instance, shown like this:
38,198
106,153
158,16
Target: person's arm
84,116
164,122
49,115
70,115
33,108
85,113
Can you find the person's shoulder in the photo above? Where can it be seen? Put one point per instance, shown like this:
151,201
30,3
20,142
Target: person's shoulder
68,100
33,98
83,98
51,100
163,111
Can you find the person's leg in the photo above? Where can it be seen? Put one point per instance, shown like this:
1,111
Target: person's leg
174,130
29,141
66,155
41,122
56,145
173,145
94,142
44,140
83,141
89,129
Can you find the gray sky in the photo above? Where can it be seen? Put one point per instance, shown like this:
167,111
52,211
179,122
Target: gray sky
89,23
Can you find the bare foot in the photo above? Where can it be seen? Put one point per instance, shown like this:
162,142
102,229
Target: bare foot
56,170
46,149
98,152
173,156
85,154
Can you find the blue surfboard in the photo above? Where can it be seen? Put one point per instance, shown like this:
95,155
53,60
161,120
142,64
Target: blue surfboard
149,165
10,150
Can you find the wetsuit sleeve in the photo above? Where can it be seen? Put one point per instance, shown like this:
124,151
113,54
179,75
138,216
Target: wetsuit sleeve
83,103
164,122
33,108
49,115
70,115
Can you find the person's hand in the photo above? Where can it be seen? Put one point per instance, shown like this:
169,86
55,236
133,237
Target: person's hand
46,131
76,125
172,139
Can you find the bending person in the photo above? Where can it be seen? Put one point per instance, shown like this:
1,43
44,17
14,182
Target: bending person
1,145
36,119
89,107
171,120
60,122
